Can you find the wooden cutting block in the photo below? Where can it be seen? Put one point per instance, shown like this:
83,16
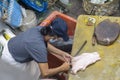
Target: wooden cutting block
107,32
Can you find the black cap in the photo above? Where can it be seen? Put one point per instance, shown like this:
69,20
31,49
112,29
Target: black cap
60,28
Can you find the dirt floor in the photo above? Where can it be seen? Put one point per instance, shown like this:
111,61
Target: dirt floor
75,9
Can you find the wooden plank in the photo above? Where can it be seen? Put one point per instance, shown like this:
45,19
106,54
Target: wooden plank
108,68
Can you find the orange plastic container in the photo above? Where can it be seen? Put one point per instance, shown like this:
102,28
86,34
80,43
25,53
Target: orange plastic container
55,60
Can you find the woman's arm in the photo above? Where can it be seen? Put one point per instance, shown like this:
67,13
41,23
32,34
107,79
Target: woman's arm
54,50
46,72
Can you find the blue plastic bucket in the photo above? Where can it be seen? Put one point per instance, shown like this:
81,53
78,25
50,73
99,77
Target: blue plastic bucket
38,5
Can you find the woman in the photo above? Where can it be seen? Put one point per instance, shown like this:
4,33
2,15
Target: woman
28,50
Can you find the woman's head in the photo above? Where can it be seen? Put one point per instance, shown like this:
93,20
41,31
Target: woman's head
57,28
48,33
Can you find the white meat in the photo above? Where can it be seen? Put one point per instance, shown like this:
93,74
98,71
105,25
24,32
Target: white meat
82,61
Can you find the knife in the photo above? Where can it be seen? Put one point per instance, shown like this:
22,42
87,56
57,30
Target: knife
81,47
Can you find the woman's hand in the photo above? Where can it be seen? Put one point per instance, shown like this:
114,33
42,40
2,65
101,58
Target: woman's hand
67,57
65,66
